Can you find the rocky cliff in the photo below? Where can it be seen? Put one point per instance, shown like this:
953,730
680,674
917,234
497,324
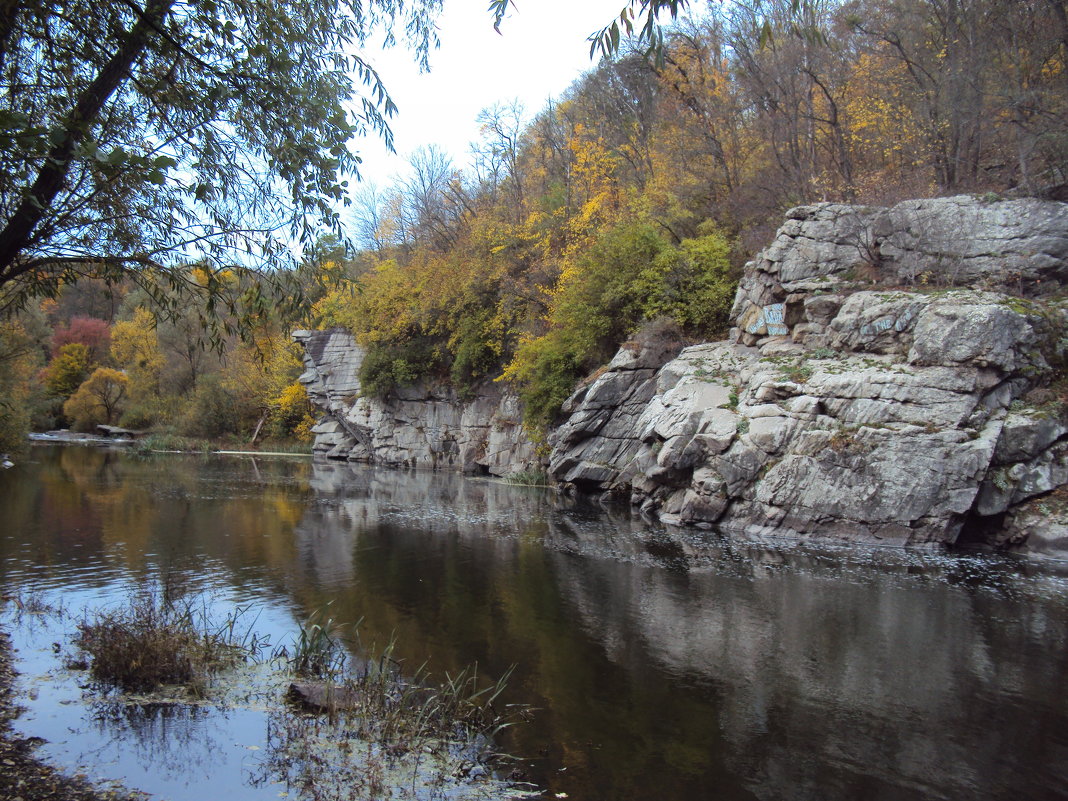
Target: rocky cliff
881,383
892,376
421,426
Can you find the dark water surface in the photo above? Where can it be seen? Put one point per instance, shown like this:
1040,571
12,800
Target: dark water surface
663,665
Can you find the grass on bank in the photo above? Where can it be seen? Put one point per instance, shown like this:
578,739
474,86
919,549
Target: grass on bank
169,442
529,478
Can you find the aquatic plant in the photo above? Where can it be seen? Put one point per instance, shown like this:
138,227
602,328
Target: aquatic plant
377,732
529,478
318,650
33,601
355,726
407,713
155,639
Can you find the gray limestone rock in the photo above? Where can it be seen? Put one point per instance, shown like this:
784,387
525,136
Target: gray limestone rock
419,426
1038,528
1015,245
842,410
1026,435
984,331
872,389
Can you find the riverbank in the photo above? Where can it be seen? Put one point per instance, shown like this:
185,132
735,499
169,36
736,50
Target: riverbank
171,443
24,776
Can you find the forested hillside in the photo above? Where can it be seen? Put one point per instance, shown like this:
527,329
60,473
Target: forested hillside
98,353
637,195
630,202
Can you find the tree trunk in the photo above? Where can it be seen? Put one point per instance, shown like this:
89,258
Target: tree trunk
18,231
259,425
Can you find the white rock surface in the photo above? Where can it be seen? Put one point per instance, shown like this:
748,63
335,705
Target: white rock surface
879,413
422,426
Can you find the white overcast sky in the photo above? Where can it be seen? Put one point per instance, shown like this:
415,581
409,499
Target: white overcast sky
541,49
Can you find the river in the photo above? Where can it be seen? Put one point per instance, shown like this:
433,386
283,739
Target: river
660,664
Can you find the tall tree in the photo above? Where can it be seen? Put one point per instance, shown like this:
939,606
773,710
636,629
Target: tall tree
139,134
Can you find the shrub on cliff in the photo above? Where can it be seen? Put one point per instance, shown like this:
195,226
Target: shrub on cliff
692,284
461,315
629,276
386,367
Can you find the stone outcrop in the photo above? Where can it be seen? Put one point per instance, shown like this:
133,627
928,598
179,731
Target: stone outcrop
1018,246
420,426
864,393
887,379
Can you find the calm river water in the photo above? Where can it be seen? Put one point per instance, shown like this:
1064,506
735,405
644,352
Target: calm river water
662,665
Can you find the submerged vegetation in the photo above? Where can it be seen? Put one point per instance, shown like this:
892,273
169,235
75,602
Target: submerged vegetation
355,721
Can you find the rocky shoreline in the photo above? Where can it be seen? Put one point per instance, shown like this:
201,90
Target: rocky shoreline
24,776
894,375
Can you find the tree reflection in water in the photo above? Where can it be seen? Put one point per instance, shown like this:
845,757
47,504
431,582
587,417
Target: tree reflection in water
662,663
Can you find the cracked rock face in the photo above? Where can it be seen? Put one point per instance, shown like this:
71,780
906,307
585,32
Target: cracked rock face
1018,246
879,385
420,426
886,380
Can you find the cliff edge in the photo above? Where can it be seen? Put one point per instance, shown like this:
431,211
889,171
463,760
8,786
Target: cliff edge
893,375
880,384
423,425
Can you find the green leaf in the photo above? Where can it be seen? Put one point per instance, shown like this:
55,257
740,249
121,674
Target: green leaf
766,35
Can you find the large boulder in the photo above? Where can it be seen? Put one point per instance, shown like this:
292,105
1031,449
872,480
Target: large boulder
864,394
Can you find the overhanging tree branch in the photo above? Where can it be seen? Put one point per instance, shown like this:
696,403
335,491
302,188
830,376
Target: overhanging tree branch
18,231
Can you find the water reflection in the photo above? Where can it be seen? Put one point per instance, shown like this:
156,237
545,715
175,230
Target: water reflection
756,671
172,737
664,664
